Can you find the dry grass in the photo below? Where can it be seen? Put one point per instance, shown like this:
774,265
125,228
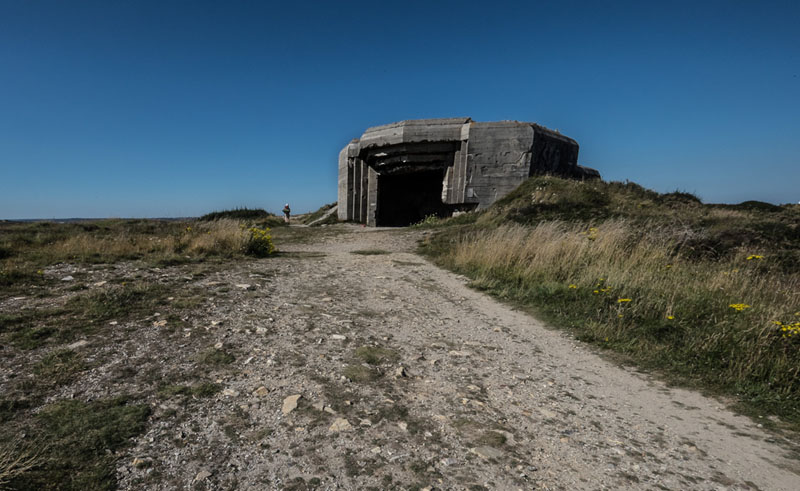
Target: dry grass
220,237
15,461
27,248
627,286
621,256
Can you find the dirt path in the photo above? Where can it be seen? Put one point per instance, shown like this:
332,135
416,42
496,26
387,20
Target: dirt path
454,391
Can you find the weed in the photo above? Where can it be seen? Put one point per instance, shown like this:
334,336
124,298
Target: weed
59,367
374,355
81,438
206,389
370,252
360,373
16,460
216,357
491,438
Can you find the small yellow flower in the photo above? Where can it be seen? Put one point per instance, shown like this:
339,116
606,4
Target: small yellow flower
670,317
739,306
573,286
754,256
623,300
620,316
596,291
667,266
39,271
606,340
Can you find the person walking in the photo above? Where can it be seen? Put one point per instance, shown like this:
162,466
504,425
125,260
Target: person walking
286,212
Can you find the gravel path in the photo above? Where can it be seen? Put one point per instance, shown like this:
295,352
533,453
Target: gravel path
408,379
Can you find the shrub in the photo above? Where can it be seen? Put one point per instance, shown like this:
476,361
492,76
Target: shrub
259,243
237,214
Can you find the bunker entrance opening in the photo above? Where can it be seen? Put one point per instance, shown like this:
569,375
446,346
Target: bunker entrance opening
405,199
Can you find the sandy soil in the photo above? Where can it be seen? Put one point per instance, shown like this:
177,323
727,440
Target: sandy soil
455,391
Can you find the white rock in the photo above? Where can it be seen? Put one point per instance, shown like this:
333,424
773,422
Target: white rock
202,476
78,344
67,278
340,424
243,286
338,337
290,403
487,452
100,283
230,393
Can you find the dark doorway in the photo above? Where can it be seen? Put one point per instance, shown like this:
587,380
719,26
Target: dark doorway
405,199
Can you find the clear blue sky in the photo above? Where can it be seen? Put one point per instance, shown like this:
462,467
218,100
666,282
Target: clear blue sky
177,108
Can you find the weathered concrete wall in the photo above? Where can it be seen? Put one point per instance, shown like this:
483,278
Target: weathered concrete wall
499,159
413,131
349,188
344,189
477,163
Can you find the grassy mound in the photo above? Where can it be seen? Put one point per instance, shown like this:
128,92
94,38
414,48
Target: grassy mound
316,215
704,293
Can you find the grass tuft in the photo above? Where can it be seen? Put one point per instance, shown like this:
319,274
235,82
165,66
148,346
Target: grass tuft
81,439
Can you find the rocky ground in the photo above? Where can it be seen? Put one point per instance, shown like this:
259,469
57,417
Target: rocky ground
349,362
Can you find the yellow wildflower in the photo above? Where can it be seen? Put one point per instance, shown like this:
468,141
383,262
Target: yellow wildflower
754,256
670,317
739,306
623,300
573,286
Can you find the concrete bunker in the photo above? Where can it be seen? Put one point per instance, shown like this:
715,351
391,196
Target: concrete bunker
400,173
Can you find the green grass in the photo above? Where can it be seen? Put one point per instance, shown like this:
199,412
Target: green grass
77,442
215,357
569,251
205,389
59,367
370,252
374,355
360,373
84,314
